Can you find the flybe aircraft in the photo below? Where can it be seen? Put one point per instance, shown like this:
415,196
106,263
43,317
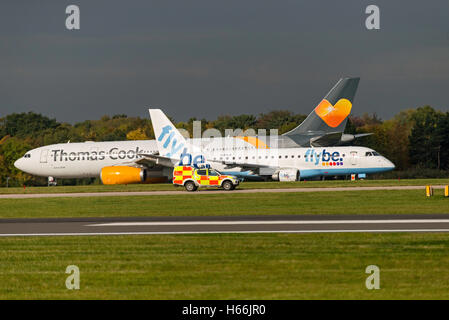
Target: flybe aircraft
284,164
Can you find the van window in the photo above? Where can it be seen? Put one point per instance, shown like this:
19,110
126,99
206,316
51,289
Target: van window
213,173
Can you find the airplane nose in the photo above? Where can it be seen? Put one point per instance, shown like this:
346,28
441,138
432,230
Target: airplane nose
19,164
390,164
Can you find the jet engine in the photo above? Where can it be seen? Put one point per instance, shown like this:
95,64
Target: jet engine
122,175
129,175
286,175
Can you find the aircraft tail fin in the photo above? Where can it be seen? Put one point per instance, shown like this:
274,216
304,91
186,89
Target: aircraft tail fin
331,114
170,141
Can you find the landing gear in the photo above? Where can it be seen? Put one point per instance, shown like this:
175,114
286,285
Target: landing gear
52,182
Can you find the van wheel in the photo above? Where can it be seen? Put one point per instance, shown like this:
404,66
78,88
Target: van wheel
227,185
190,186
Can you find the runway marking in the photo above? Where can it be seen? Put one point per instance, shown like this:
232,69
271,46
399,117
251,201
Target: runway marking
264,222
215,232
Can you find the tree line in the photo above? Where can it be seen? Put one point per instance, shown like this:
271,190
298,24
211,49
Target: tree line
416,140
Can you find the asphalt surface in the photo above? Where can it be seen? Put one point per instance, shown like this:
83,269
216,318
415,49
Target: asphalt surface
225,224
202,192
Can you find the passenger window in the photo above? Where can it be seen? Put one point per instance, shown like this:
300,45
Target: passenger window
201,172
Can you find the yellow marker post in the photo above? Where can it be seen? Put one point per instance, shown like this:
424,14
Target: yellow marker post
446,191
429,191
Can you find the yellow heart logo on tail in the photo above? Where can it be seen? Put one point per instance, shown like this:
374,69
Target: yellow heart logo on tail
333,115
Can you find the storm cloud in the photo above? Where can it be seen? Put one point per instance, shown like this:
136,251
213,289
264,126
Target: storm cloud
204,58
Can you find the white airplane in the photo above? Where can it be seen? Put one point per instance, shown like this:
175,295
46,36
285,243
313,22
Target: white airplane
124,162
284,164
117,162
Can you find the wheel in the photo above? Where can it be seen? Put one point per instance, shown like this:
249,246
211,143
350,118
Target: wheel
227,185
190,186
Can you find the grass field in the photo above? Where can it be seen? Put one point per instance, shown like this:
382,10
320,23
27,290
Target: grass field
244,185
337,202
256,266
228,266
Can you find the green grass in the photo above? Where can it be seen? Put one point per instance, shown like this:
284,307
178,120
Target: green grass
227,266
210,204
244,185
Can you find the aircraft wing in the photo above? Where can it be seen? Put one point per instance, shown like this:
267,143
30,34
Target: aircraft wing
153,160
253,167
245,166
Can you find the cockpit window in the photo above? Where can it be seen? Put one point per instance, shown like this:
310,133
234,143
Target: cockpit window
377,154
27,155
368,154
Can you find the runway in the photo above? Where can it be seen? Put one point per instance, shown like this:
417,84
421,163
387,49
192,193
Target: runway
225,224
202,192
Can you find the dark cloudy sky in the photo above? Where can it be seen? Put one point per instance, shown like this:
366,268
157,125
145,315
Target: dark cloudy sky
204,58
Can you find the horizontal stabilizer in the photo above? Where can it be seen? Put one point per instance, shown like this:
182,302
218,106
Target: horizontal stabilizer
345,138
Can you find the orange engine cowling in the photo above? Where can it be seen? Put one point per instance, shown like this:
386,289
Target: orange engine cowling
123,175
